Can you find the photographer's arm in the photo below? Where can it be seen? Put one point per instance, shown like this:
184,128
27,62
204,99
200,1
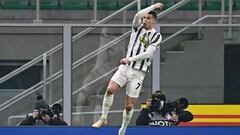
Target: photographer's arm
185,116
56,121
30,120
143,118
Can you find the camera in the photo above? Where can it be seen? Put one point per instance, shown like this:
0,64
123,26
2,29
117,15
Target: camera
44,109
178,105
55,110
43,114
159,103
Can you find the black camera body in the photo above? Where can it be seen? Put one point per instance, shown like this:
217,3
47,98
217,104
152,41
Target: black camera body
178,105
55,110
157,105
43,108
160,105
158,100
164,107
44,112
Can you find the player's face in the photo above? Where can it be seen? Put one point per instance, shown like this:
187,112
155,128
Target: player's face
148,21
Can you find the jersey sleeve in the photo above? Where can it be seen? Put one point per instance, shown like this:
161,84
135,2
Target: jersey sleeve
156,40
137,20
147,54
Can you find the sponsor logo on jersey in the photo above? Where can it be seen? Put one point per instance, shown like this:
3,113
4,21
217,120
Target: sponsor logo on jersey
145,41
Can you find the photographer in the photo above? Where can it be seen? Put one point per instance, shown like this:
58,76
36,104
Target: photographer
43,114
160,112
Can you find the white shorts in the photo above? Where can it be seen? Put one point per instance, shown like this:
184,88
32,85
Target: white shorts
132,77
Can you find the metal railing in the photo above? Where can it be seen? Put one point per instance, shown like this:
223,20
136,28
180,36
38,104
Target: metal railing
201,19
20,96
50,52
95,11
59,47
110,44
75,114
89,56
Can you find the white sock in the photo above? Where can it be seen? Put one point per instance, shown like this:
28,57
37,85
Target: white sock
107,103
126,120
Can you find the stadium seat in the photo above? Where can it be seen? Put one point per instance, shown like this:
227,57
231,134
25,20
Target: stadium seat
109,4
144,4
192,5
74,5
168,3
46,4
212,5
216,5
105,5
15,4
236,4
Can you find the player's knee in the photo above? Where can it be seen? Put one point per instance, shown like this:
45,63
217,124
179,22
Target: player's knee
110,91
129,108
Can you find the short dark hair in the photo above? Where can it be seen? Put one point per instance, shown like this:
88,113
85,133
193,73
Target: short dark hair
154,14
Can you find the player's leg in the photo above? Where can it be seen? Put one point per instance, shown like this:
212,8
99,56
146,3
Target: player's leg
127,114
132,90
108,98
92,89
107,103
118,80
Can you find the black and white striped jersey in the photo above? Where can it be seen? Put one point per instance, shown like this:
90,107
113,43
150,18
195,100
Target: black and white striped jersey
140,39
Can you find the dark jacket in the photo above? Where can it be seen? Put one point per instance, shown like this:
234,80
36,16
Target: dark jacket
147,117
153,119
29,120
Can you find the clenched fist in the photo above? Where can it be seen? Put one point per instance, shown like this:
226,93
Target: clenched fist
158,5
124,61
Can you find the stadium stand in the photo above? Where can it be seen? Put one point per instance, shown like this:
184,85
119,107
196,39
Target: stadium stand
107,4
74,5
192,5
15,4
47,4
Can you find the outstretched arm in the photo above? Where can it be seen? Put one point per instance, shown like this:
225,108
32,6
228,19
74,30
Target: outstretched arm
137,18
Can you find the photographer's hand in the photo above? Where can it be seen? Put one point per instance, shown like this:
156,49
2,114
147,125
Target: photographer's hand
174,117
46,118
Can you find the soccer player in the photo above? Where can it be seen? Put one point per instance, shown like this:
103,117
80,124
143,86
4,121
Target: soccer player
144,41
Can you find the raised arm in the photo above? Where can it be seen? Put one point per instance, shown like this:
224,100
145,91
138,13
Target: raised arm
137,18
